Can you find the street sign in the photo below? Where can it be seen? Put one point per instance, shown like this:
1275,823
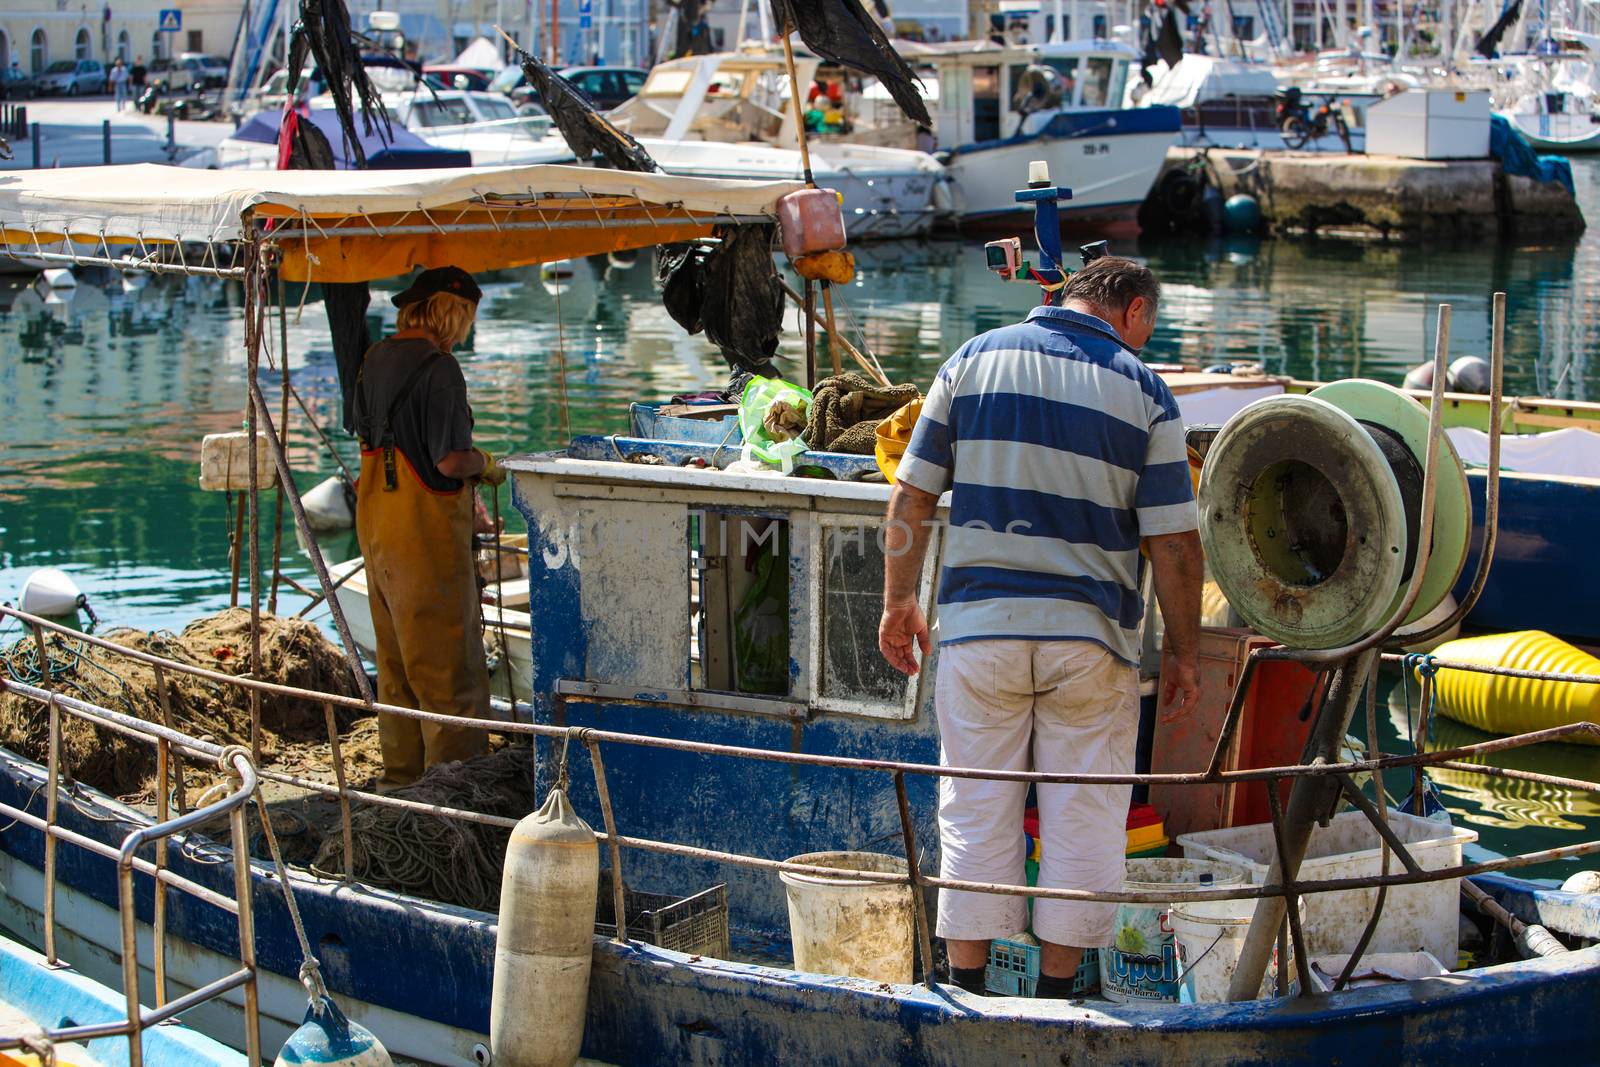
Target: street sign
170,20
585,20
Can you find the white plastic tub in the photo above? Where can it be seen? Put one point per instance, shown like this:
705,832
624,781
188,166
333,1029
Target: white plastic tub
1423,916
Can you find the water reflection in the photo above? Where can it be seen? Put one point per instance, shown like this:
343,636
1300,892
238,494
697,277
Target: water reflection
105,390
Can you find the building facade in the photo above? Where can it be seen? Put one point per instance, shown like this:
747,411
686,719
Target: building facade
36,33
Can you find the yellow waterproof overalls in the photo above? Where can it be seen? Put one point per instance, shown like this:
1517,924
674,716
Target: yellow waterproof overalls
423,591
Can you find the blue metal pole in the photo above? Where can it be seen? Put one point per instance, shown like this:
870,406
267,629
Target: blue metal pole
35,146
105,140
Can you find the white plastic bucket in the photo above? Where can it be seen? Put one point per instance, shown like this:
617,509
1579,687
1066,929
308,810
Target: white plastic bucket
1210,937
857,928
1141,963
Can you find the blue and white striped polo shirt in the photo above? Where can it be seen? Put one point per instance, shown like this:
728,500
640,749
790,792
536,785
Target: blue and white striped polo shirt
1061,450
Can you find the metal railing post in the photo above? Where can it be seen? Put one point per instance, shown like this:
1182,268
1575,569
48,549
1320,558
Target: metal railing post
919,900
51,802
619,898
247,926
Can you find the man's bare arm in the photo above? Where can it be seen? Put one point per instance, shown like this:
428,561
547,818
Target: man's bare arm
1178,564
905,543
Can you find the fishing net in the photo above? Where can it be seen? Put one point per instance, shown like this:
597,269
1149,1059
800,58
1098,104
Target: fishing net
293,652
444,859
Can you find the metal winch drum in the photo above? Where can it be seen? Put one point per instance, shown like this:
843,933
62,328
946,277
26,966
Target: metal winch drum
1310,508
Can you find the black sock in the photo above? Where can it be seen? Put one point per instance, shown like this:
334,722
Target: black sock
968,978
1052,988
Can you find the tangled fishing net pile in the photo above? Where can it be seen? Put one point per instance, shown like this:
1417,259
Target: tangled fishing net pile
293,652
444,859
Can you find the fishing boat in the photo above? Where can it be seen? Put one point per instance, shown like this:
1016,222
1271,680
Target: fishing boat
1551,96
745,718
729,116
997,108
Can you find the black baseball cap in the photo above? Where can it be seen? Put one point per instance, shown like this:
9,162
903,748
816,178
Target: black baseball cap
452,280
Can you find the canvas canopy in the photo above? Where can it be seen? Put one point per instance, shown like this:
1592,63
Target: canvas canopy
344,226
1197,79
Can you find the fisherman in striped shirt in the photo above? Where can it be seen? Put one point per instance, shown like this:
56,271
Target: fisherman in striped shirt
1063,455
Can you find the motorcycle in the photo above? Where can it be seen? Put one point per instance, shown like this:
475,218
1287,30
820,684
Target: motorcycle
1300,125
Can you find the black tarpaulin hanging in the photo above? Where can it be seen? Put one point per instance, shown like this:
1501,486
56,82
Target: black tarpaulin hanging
324,31
731,291
842,32
586,131
345,302
1489,44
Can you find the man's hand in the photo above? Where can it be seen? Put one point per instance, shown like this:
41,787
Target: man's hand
1180,689
493,473
481,523
902,625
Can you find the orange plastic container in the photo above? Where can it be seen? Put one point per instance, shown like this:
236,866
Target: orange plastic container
811,221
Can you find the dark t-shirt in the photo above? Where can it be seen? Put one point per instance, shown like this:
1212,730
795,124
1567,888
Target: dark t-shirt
433,421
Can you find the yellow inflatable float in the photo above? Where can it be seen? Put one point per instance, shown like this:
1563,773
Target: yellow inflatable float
1505,705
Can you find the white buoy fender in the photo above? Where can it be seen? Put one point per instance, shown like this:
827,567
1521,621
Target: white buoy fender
327,505
51,593
328,1039
546,939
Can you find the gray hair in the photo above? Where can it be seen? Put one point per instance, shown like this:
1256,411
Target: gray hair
1112,282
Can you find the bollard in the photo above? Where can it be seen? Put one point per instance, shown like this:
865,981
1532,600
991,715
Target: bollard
172,132
35,146
105,141
22,119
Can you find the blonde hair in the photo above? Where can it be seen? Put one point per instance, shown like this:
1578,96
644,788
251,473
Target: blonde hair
444,316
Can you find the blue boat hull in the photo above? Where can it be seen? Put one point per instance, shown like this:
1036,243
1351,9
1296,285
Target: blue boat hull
1543,576
650,1006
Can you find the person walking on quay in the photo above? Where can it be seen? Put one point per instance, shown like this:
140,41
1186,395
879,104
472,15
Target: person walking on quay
137,75
1064,455
119,83
416,513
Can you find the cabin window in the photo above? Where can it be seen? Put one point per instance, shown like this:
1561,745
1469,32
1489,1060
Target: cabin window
495,109
441,113
739,603
1097,81
985,103
849,673
1244,27
1068,70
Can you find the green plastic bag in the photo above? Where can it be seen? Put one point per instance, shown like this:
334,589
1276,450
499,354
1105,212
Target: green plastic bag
759,395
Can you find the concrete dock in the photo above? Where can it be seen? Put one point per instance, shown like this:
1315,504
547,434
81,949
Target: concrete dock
72,134
1388,197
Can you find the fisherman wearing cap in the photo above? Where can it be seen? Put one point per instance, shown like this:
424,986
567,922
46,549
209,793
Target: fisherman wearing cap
416,512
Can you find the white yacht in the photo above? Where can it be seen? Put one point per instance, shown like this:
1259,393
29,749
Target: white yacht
729,116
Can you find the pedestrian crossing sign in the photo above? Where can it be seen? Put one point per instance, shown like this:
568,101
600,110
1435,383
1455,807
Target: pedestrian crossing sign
170,20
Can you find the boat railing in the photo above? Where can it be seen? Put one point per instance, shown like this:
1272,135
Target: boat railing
228,798
591,739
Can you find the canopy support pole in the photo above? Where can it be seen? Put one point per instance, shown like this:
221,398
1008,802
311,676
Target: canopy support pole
255,286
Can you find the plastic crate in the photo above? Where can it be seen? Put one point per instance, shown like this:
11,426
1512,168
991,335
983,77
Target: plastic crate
697,925
1013,970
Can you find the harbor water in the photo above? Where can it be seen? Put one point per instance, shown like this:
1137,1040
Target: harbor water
107,388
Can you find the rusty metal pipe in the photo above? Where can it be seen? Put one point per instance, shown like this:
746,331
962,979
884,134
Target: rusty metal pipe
919,900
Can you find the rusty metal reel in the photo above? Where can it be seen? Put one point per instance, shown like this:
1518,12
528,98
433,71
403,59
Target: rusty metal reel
1375,404
1303,522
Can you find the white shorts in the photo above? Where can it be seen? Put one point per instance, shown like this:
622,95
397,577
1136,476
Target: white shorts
1061,706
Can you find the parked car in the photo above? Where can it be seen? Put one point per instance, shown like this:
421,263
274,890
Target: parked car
172,75
15,84
607,86
448,76
72,77
210,72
